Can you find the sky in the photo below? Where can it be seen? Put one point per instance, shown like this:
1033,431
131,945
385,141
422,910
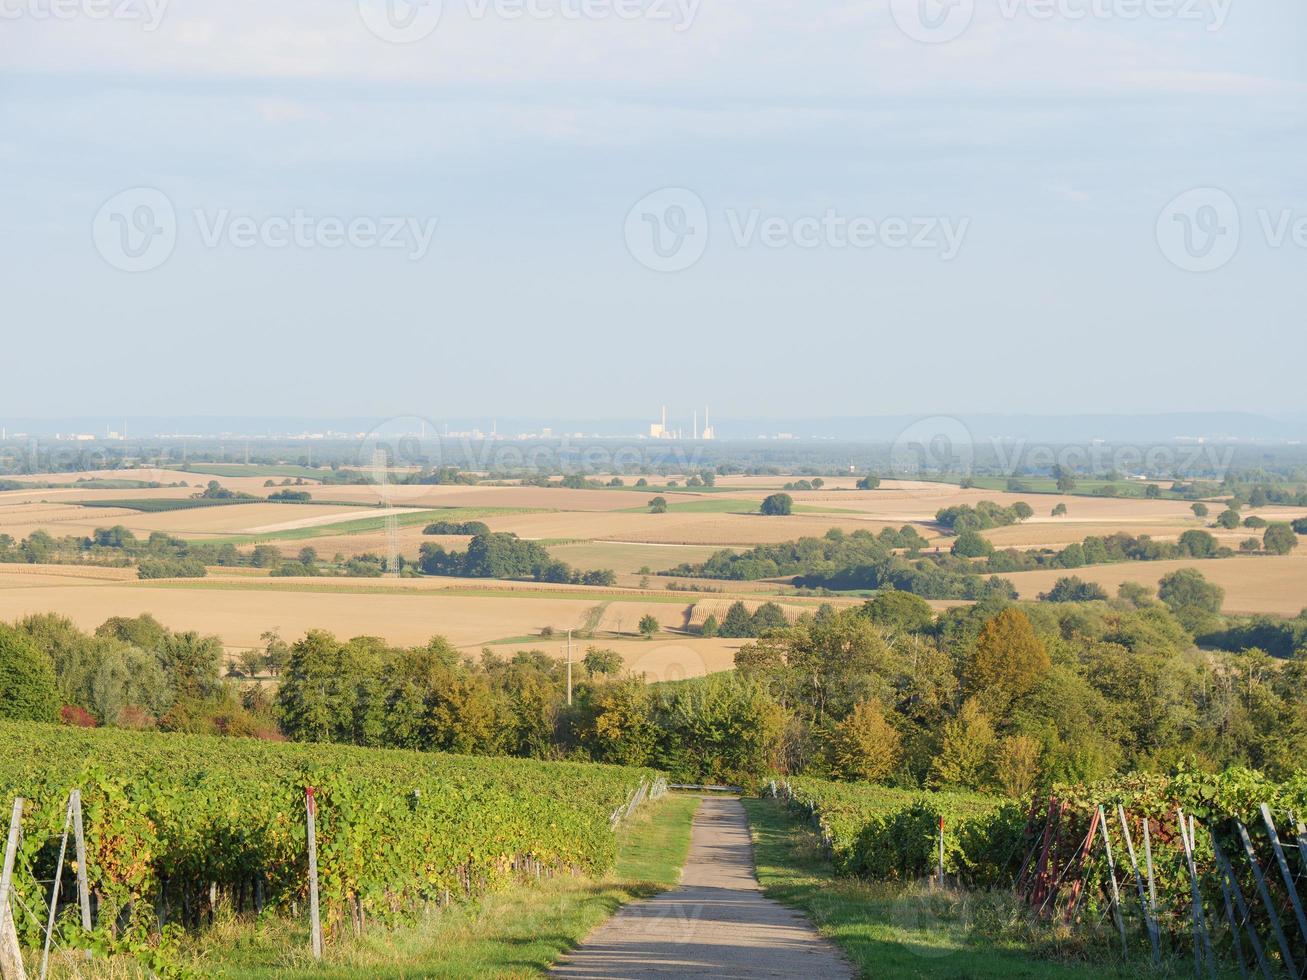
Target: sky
590,208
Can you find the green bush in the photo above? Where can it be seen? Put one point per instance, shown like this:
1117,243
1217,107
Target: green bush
27,684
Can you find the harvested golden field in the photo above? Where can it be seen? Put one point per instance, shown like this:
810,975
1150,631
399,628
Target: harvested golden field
624,617
532,498
659,659
1253,584
240,615
410,541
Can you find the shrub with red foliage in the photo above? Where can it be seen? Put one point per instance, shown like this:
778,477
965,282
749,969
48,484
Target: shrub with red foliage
71,714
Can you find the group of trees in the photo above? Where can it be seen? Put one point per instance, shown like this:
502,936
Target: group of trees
131,672
983,516
834,551
739,622
430,698
1000,695
457,527
506,556
1094,550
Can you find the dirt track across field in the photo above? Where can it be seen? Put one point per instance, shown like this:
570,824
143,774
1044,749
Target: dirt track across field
716,924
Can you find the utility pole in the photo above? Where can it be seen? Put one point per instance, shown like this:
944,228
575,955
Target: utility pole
569,668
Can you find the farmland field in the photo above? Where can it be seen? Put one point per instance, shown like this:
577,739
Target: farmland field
588,529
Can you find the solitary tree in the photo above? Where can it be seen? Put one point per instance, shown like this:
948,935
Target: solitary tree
778,505
1060,510
1200,510
649,626
1187,588
606,662
1279,539
658,505
869,483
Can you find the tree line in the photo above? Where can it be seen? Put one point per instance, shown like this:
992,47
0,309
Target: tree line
998,696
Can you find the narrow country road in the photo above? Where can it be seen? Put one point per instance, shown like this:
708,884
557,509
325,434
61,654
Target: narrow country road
716,924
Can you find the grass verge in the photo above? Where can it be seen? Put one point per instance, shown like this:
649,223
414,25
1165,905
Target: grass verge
515,933
892,930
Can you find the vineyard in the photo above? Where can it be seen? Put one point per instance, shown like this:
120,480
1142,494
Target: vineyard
879,832
1206,868
178,825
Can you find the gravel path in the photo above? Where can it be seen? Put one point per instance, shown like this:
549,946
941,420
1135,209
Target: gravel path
717,923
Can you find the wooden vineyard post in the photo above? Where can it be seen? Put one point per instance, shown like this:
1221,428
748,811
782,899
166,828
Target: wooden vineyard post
1150,923
79,841
1285,873
941,852
1148,860
1202,941
54,888
1227,874
1235,938
1265,894
1116,894
315,921
11,956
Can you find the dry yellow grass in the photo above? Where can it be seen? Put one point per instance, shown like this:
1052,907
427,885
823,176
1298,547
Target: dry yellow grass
659,659
556,498
624,617
240,616
1253,585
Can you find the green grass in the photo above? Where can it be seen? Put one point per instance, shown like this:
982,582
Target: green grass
516,933
890,930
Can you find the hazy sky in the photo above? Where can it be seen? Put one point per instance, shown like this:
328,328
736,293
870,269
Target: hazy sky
593,207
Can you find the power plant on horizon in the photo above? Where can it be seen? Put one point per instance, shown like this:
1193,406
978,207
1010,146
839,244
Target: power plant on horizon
659,430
